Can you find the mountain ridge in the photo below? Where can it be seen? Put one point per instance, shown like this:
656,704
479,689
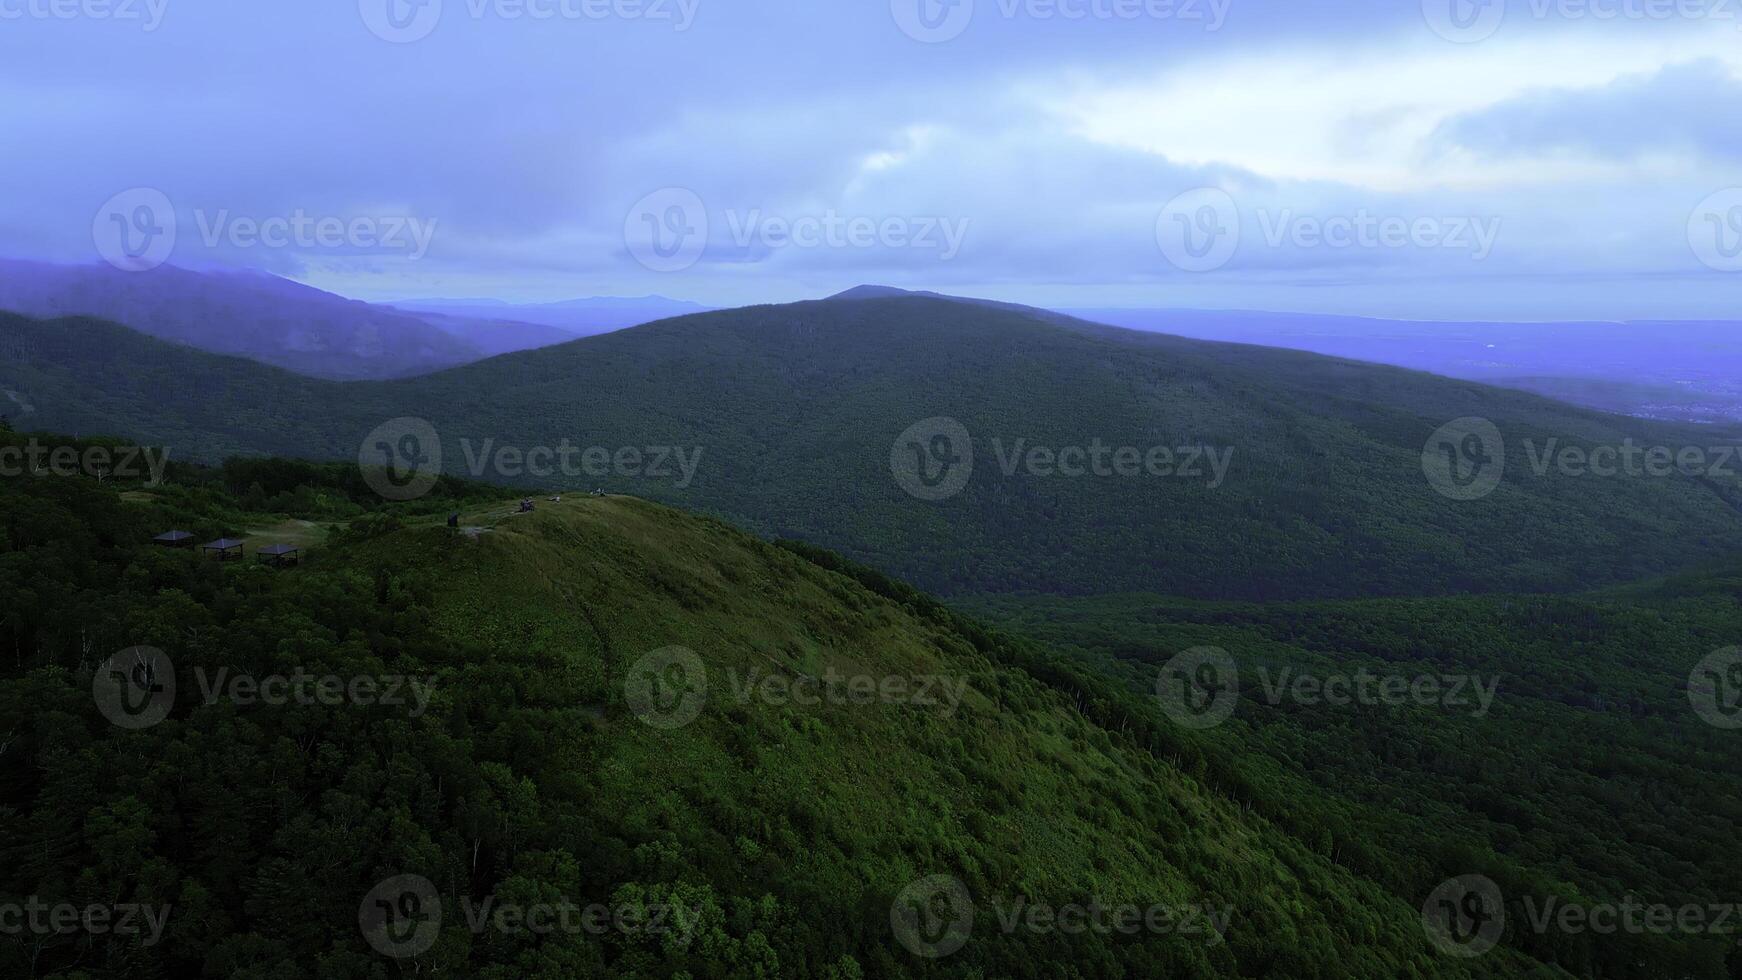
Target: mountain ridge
793,411
266,318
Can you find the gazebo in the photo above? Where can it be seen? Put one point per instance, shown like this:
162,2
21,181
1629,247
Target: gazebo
224,549
174,539
278,555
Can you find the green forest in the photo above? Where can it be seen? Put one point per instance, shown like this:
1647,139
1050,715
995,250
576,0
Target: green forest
781,834
1566,622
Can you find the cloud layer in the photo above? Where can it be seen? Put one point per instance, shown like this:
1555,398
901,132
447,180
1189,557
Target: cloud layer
1361,160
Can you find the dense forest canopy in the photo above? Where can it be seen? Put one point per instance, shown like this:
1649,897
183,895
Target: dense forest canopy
498,760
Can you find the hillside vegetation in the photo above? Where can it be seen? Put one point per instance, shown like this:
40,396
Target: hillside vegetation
794,411
779,834
1589,777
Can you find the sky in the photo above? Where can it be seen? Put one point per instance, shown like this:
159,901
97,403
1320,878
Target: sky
1430,159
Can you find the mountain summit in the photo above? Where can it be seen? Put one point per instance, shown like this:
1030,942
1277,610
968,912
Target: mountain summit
876,292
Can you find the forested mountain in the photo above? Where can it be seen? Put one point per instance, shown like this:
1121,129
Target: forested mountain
1290,475
734,831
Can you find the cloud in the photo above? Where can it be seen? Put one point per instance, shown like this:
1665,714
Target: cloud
1681,110
1051,145
1371,116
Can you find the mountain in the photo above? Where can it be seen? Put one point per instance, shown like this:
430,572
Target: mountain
265,318
1311,482
872,291
613,706
577,317
1676,370
490,337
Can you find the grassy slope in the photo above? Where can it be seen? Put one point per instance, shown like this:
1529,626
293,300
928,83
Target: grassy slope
796,408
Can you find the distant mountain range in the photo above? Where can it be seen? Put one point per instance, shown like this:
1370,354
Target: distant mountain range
1626,368
1291,475
1687,371
580,317
283,323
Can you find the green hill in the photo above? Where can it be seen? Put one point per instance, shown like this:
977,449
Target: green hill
543,761
790,415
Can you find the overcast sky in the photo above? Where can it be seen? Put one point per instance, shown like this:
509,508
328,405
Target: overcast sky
1536,159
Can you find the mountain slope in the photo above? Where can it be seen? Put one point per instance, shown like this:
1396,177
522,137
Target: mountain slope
783,832
795,411
576,317
1589,774
495,336
265,318
1684,370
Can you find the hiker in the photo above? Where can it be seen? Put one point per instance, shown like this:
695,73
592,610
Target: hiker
453,520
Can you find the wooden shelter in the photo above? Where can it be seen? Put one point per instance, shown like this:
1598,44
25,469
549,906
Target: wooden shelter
224,549
278,555
174,539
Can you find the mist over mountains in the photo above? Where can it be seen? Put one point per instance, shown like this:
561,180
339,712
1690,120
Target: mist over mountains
580,317
1687,371
280,322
